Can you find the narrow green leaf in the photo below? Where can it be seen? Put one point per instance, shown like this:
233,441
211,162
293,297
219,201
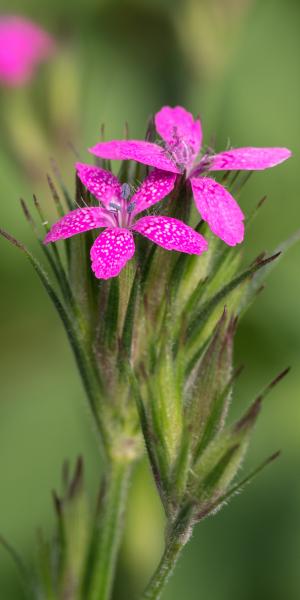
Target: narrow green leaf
45,571
239,182
238,487
27,583
57,173
55,196
90,377
251,217
259,277
206,310
52,255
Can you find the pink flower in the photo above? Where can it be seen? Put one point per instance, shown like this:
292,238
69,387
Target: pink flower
117,213
182,138
23,45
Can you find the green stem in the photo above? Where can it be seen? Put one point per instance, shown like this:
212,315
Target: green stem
164,569
108,531
177,538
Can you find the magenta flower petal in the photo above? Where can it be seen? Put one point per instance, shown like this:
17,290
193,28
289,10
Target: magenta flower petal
76,221
153,189
219,209
171,234
180,131
143,152
23,45
102,184
111,251
249,159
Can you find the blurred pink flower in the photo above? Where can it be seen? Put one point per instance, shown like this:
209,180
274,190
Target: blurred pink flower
182,139
117,214
23,45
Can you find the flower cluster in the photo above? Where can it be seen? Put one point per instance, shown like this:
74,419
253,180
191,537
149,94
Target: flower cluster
172,160
117,213
154,347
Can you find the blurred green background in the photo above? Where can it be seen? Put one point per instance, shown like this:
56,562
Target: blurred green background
236,62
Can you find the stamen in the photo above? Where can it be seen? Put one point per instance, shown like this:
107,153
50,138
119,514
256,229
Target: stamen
125,191
131,207
179,151
114,206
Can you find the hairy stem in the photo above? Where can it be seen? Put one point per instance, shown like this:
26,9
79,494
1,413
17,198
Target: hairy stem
107,536
164,570
178,536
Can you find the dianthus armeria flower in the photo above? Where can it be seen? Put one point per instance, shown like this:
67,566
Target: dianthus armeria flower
182,139
117,214
23,45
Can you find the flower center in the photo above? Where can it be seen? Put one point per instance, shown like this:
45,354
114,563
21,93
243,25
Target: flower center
122,208
179,151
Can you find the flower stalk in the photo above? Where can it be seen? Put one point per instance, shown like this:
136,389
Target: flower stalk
164,570
108,531
177,538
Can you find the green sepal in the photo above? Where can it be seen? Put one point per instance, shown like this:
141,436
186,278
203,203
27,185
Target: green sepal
222,457
80,276
112,314
216,417
181,470
127,336
209,395
167,401
148,435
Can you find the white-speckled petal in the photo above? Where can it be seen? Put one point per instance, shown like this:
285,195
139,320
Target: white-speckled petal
249,159
111,251
76,221
219,209
102,184
153,189
143,152
171,234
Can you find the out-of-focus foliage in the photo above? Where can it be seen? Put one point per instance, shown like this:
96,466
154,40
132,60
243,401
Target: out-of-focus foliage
236,63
